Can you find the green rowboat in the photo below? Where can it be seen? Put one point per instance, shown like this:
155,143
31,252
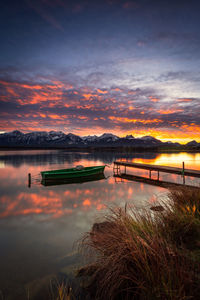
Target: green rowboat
51,182
77,172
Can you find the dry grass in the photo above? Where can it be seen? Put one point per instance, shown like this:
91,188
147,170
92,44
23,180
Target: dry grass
145,256
60,290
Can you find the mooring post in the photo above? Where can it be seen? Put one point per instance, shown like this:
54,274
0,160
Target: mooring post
29,180
183,172
149,173
183,168
158,176
125,169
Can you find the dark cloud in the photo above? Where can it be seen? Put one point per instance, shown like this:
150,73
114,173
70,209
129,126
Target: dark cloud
180,75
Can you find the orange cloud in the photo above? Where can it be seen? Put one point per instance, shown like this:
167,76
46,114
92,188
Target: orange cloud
169,111
83,118
117,90
31,87
42,115
192,128
56,117
184,100
154,99
61,85
126,120
87,96
101,92
35,93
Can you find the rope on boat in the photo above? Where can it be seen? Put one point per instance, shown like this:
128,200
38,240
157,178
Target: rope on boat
35,175
33,179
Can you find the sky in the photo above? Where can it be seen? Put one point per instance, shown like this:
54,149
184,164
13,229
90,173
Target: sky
89,67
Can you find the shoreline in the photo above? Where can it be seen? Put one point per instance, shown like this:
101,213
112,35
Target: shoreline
107,149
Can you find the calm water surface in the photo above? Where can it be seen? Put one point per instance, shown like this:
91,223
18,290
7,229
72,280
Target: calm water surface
40,225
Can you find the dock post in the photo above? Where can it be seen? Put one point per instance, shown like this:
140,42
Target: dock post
149,173
183,168
29,180
183,172
117,170
158,176
125,169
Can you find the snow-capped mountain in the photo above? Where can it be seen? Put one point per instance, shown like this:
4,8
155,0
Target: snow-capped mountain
109,137
104,138
43,139
148,138
129,137
39,139
73,139
90,138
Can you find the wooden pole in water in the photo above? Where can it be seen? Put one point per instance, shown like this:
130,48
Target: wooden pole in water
29,180
183,172
183,168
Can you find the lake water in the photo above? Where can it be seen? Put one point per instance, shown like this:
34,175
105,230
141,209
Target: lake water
40,225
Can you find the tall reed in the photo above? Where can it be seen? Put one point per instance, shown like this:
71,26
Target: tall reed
147,255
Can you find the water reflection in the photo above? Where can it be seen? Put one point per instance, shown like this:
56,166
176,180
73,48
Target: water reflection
52,157
17,200
64,199
192,160
39,225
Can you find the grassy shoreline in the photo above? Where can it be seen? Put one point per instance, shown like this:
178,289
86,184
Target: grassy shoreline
148,255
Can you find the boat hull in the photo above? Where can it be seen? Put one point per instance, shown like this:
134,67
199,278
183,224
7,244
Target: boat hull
72,173
75,180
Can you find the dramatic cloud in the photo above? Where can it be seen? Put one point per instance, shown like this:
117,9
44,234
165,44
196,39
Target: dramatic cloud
60,105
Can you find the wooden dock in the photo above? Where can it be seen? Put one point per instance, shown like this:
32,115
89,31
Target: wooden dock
165,169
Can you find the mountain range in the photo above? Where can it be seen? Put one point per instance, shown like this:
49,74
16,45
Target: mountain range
58,139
